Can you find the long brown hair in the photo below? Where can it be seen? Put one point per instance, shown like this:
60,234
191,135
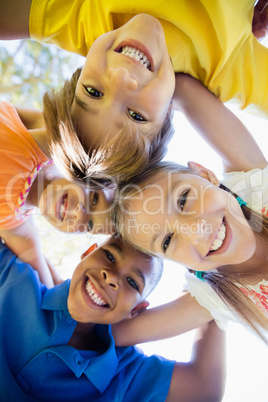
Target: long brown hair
226,285
119,159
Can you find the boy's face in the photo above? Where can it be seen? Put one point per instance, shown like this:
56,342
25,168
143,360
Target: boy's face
187,218
72,208
109,283
117,90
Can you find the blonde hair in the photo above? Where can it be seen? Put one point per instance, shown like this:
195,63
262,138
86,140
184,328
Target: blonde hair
226,285
119,159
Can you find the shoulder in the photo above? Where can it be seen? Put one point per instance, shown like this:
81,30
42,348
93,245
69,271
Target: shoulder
15,274
149,376
31,118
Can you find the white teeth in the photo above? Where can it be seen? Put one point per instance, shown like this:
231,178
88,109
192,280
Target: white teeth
62,210
217,243
94,297
137,54
219,238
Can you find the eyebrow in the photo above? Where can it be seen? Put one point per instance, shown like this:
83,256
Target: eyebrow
172,187
83,105
137,271
152,242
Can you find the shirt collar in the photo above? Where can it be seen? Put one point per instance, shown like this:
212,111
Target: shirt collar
56,297
103,367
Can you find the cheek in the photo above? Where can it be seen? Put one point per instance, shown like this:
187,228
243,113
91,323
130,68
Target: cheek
157,102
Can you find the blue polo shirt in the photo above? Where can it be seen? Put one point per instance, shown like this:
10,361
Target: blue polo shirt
37,364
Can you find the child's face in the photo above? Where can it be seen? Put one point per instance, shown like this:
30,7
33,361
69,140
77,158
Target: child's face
72,208
185,218
109,283
116,90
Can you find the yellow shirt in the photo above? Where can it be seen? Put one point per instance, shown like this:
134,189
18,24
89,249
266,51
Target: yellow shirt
211,40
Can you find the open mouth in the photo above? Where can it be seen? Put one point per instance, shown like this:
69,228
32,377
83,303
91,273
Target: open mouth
219,239
94,295
61,207
138,52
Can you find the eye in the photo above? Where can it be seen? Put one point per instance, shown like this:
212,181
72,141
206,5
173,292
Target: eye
166,242
90,225
93,92
95,198
182,200
132,283
109,256
136,116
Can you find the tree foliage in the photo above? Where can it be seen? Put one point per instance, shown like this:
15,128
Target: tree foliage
28,69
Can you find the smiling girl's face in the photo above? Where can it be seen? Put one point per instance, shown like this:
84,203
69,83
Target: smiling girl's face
186,218
72,208
127,81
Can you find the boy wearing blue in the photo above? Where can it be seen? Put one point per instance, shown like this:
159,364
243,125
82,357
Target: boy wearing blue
57,344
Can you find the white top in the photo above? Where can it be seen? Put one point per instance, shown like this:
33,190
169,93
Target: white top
252,187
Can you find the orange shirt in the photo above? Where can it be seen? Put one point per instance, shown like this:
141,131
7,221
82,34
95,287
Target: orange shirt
19,157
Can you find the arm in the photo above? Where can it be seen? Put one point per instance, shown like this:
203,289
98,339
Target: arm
25,242
31,118
217,125
203,378
14,19
171,319
260,19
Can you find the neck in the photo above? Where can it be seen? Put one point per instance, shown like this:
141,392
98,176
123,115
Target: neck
40,137
85,338
33,120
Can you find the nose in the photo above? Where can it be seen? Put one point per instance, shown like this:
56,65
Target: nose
110,279
79,212
120,79
80,218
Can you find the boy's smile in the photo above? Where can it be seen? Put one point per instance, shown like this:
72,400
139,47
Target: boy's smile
109,283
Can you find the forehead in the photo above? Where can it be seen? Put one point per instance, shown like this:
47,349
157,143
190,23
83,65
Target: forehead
129,255
125,259
130,261
165,183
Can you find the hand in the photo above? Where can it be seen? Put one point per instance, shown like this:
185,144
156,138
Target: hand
260,19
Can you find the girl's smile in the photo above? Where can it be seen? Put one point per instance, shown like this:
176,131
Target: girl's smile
127,81
72,208
137,52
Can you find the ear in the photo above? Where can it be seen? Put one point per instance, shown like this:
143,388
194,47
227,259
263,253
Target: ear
138,309
204,172
89,250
